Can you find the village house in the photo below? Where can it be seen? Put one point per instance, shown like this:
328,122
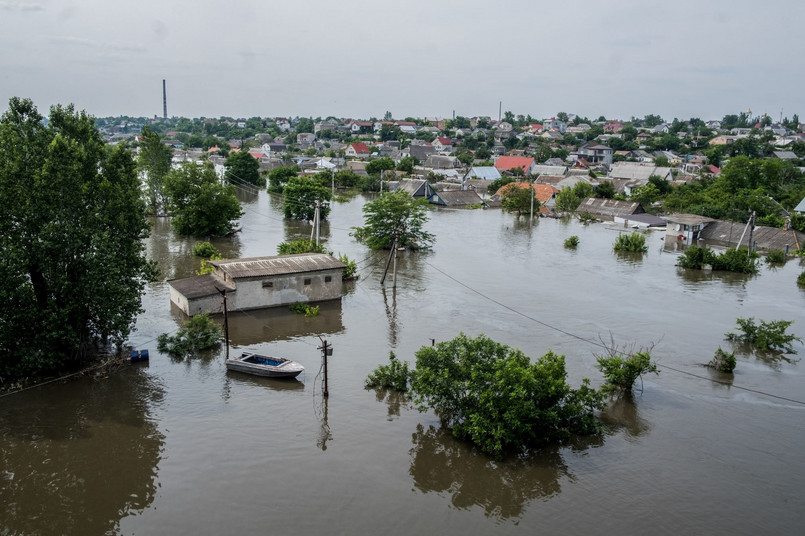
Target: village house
594,153
507,163
260,282
456,198
443,145
357,150
686,226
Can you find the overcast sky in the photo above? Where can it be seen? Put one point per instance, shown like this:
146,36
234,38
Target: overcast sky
617,58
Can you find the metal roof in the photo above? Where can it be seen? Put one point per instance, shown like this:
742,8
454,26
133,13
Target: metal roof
609,207
200,286
278,265
767,238
455,198
688,219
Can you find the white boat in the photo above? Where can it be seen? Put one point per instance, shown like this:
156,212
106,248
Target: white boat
263,365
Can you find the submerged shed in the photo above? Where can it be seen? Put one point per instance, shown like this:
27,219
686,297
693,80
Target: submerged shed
260,282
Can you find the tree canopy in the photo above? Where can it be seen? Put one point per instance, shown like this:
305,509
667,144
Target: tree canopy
514,198
154,159
242,167
300,197
198,203
494,396
392,213
72,220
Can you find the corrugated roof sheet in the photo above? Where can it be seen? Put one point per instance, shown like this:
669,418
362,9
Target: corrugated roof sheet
767,238
278,265
200,286
457,198
609,207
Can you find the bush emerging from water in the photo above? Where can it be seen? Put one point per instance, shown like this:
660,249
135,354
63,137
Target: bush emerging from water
723,361
304,309
392,376
302,245
572,242
633,242
801,279
766,335
622,369
732,260
206,250
775,256
351,270
199,333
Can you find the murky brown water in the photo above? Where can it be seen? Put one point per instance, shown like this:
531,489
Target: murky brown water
183,447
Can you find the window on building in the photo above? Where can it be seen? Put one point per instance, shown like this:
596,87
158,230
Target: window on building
268,284
328,278
307,281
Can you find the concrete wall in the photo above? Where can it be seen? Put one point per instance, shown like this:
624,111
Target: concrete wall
206,304
257,293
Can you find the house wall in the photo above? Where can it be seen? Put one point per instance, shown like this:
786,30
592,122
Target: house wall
191,307
274,291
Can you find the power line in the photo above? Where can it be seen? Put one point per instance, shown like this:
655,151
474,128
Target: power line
604,346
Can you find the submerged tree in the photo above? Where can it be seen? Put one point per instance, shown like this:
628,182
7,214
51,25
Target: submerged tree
72,220
394,213
242,167
198,203
494,396
154,159
300,197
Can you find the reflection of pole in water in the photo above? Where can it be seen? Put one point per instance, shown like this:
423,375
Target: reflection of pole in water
391,313
325,434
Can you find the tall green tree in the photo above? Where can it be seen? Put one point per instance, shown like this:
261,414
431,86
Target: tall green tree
395,213
198,203
243,167
300,197
154,160
72,220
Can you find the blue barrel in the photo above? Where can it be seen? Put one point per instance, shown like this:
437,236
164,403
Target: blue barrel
139,355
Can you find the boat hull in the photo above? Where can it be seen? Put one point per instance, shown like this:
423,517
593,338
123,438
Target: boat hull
266,366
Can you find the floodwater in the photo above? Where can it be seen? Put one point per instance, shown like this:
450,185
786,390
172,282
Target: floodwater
184,447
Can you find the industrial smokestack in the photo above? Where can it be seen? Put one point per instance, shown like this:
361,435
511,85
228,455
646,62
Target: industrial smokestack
164,101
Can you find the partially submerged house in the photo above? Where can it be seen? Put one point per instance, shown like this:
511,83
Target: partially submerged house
456,198
416,188
733,234
608,209
686,226
260,282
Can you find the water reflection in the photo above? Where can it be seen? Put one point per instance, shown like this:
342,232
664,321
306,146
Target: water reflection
632,258
247,194
391,314
325,434
280,324
394,399
76,458
503,489
773,358
622,414
272,384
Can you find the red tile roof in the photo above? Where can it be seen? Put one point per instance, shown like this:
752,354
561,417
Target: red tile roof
505,163
445,141
542,192
360,148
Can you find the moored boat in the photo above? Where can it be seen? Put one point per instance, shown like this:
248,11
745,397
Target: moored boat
263,365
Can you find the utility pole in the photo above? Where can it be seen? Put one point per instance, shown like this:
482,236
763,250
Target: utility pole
226,321
326,350
332,175
392,253
381,181
751,228
531,187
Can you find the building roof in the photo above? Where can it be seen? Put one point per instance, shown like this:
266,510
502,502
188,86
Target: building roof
445,141
767,238
609,207
456,198
485,172
505,163
360,148
277,265
200,286
649,219
800,207
636,170
688,219
543,192
548,169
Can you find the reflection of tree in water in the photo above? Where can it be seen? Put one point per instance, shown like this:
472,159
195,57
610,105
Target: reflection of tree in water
395,400
76,458
246,193
442,464
622,414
